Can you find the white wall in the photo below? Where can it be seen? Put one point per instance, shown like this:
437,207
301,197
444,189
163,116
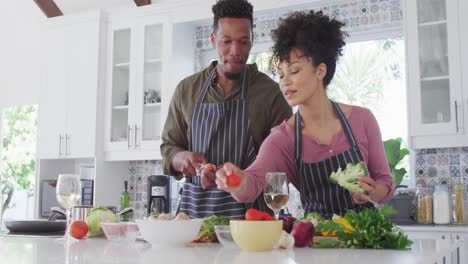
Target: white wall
19,52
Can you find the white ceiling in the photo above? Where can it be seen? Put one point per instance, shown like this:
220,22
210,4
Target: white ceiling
76,6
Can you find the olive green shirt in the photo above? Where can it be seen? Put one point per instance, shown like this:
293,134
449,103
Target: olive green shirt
266,109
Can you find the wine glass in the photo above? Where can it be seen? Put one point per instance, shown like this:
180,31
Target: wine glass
68,193
276,192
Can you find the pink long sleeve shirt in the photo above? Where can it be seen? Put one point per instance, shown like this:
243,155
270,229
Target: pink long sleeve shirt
277,153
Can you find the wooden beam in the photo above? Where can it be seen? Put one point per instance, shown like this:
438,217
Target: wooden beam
49,8
142,2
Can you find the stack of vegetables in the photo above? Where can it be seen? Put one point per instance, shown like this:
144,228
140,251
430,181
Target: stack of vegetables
369,228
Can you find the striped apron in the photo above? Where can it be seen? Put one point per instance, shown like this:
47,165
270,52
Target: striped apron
318,194
220,131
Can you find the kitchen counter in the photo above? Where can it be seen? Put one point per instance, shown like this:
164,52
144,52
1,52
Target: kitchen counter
27,250
435,228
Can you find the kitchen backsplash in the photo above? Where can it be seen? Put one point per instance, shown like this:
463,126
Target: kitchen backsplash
434,166
140,170
138,173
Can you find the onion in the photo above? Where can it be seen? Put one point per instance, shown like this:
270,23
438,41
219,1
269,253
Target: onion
303,234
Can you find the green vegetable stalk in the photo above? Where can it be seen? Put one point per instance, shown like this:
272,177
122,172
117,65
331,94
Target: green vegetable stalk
373,229
207,229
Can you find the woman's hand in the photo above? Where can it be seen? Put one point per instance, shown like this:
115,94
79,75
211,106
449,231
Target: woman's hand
230,170
369,185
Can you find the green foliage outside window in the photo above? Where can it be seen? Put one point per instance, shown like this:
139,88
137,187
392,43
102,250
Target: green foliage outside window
18,163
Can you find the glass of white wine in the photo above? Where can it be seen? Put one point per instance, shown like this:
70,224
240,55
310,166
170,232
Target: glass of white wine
68,193
276,192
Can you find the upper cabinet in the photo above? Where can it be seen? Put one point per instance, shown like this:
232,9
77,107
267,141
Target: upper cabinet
69,86
137,87
437,108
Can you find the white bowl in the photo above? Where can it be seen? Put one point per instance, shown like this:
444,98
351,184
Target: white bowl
169,232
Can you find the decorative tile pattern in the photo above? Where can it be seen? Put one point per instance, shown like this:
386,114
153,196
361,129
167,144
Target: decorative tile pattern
358,15
434,166
138,173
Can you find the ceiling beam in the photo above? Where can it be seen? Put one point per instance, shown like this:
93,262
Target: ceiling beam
142,2
49,8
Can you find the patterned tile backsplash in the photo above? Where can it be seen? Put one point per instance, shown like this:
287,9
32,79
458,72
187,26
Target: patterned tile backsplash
449,165
138,173
433,166
140,170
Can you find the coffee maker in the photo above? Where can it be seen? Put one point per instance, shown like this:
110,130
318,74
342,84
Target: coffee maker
159,194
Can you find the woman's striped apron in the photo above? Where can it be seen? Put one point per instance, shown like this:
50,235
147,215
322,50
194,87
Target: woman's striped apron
318,194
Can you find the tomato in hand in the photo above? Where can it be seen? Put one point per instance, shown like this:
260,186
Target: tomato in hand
78,229
233,180
210,167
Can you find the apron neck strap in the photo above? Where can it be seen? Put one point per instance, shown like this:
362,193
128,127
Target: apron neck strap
244,88
298,130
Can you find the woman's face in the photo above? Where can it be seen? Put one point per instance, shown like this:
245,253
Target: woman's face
299,79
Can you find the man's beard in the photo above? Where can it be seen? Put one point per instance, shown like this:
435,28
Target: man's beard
232,75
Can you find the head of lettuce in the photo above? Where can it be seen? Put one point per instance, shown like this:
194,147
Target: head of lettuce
96,216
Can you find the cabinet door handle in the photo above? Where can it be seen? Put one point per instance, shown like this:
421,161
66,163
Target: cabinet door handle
67,144
129,129
456,115
60,145
136,137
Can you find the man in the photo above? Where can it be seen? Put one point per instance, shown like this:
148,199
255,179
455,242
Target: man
220,114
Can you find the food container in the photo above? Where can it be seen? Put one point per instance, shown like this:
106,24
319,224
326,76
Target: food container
424,205
458,202
223,233
124,231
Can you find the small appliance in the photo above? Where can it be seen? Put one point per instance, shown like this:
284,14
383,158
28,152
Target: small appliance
159,194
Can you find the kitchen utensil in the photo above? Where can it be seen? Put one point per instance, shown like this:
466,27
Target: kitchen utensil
223,233
35,226
126,231
80,212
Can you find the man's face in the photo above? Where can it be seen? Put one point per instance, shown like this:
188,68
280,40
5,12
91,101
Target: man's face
233,41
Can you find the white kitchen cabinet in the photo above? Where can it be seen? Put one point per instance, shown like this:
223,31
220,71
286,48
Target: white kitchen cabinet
436,97
138,93
69,86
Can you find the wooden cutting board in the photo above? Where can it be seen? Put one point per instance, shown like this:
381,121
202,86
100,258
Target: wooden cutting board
318,238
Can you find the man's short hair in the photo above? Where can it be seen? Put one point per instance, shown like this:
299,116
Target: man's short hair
232,9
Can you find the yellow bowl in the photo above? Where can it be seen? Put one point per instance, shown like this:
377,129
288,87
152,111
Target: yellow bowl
256,235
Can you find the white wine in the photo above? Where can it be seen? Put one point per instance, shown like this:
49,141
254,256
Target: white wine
67,201
275,201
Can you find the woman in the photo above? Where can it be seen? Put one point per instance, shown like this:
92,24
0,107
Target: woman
322,135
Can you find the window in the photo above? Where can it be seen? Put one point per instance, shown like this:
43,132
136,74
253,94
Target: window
369,74
18,161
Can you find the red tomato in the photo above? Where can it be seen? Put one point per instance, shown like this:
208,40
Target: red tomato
233,180
253,215
78,229
266,216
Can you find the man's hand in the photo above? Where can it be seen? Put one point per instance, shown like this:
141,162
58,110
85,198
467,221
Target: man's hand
188,163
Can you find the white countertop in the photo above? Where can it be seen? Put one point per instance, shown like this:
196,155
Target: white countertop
27,250
435,228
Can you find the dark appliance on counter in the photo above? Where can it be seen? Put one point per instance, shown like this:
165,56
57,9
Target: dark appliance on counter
159,194
49,198
404,207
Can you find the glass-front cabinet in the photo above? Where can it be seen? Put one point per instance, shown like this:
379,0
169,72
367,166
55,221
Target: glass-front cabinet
136,97
434,73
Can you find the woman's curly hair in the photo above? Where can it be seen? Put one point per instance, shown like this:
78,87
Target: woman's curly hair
314,34
232,8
